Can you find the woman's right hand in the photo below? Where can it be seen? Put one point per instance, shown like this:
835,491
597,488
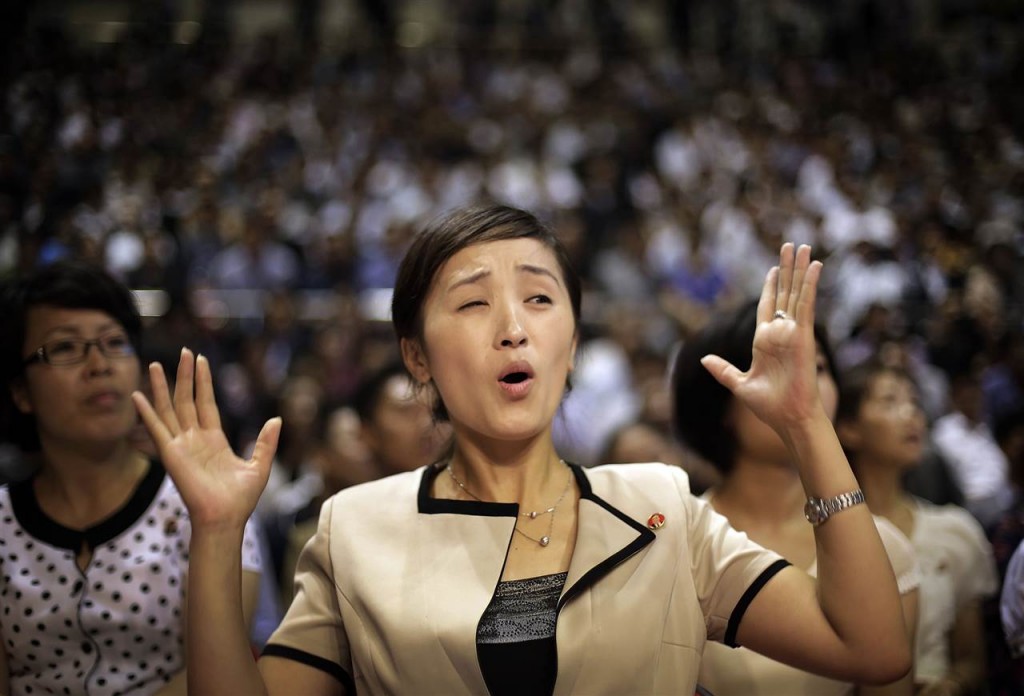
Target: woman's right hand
219,488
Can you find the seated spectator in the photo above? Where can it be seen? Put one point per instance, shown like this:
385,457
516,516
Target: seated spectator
343,461
964,439
882,426
96,542
396,421
1006,672
644,442
256,260
389,431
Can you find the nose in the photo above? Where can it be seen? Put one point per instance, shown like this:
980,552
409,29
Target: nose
96,360
909,410
511,332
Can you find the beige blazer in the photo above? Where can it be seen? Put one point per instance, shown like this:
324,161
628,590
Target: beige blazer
390,590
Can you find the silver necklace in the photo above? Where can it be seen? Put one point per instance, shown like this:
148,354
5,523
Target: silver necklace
533,514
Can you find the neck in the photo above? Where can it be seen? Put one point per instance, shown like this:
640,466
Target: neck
761,491
882,485
88,482
510,474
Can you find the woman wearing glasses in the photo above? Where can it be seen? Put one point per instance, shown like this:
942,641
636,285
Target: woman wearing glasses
94,546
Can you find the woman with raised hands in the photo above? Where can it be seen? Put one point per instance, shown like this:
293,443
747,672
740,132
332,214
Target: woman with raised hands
501,568
761,493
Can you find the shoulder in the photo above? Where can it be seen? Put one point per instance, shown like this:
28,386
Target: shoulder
639,487
950,424
952,532
947,519
7,517
645,477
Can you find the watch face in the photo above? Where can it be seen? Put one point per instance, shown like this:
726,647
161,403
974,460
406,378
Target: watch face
814,511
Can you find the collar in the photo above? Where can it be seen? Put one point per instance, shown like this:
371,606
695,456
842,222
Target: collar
605,536
40,525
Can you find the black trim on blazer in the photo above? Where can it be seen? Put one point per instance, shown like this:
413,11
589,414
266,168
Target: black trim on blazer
432,506
332,668
741,606
436,506
645,537
37,523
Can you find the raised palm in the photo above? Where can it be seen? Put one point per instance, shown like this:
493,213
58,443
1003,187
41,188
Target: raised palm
219,488
781,385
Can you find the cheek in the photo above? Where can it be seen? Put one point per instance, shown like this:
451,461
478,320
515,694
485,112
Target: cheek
878,428
752,433
829,394
41,396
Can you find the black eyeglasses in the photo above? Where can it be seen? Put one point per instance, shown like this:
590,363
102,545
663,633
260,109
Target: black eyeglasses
71,351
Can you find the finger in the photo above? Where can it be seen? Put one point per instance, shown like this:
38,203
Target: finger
184,399
206,403
157,430
808,294
727,374
766,304
803,258
162,399
786,260
266,444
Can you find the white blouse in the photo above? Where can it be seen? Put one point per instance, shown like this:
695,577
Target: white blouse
957,567
115,628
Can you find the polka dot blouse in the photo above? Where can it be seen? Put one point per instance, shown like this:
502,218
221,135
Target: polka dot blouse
115,628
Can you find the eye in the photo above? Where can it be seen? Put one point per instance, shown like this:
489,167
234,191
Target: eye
471,304
118,343
540,299
61,349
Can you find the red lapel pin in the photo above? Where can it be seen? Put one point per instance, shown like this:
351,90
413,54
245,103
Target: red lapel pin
656,521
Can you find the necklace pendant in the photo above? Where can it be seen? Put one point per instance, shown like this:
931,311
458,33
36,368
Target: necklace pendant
532,514
545,540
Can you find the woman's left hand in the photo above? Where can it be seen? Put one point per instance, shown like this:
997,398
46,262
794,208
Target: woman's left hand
781,386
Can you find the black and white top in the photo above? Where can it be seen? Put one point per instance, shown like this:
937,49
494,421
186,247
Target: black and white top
516,636
117,627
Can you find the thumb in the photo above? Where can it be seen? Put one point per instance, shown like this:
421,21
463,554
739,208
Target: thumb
266,444
727,374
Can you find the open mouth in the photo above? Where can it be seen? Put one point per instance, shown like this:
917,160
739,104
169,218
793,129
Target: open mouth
517,379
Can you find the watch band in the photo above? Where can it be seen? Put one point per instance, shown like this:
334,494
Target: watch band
818,510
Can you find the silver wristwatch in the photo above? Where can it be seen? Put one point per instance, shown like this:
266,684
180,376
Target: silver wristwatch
817,510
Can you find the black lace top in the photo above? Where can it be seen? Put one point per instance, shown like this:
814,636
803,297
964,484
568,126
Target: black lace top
516,636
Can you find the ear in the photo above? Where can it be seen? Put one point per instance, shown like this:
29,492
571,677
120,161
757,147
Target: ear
415,360
20,397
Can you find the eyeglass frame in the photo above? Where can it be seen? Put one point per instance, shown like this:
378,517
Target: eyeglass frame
41,354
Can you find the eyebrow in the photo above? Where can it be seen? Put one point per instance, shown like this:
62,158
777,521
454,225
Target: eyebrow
523,268
538,270
104,328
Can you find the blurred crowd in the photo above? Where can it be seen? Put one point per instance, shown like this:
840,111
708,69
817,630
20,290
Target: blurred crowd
267,191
